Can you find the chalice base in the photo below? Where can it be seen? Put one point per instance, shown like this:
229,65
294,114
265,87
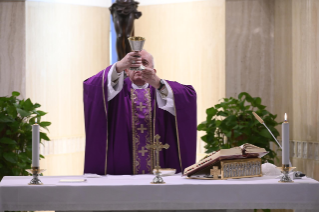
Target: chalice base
158,179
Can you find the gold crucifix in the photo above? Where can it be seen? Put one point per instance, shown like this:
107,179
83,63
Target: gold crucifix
157,146
215,172
141,107
142,129
143,151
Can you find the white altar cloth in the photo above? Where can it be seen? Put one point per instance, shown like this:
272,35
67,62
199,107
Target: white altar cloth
136,193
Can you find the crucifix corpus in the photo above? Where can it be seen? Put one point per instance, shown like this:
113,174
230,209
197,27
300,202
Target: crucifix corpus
157,146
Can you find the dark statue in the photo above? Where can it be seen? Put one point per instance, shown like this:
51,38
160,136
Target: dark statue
124,12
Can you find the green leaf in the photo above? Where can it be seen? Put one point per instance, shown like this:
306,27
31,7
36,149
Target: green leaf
44,136
16,171
15,93
257,101
201,126
23,113
265,133
40,113
41,156
6,119
12,111
222,113
28,105
204,138
22,165
6,140
210,113
45,124
36,105
10,156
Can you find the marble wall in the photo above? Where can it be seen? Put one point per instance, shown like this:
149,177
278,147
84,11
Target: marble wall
305,88
12,44
66,44
249,49
47,51
187,40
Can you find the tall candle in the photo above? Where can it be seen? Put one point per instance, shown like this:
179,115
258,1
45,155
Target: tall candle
285,141
35,144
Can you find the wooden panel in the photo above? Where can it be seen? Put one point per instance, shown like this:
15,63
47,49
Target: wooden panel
249,49
187,41
305,76
65,45
296,74
283,63
305,70
12,51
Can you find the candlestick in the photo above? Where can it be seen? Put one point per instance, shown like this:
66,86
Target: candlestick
285,141
35,169
263,123
35,144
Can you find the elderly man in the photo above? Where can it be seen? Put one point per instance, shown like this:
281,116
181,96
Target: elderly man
122,116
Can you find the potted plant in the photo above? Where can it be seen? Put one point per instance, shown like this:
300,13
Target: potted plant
16,119
231,123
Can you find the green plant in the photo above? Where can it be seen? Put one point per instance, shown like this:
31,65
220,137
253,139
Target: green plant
16,119
231,123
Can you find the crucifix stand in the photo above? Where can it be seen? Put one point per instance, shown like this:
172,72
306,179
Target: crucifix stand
157,146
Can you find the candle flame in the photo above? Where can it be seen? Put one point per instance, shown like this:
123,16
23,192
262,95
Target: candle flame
36,120
285,116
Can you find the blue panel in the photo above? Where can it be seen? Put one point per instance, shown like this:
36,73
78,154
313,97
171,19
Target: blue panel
113,53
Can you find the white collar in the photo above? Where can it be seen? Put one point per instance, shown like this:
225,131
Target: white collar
139,87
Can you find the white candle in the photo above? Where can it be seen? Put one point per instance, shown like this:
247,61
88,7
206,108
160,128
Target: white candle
35,144
285,141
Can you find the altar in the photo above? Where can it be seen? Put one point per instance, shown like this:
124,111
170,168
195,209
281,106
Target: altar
111,193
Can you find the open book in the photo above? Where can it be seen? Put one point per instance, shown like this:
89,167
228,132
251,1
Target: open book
214,158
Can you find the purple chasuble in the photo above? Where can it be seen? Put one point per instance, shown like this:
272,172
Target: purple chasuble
112,128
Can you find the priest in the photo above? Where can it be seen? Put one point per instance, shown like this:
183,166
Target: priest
123,115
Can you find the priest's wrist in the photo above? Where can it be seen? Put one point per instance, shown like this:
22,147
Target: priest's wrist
161,84
118,67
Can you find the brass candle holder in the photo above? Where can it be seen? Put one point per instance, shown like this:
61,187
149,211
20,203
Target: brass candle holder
35,171
285,170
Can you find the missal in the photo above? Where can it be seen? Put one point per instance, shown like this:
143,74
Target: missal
236,162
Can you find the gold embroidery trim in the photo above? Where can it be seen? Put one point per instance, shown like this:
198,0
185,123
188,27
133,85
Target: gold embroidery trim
149,138
154,132
105,110
135,139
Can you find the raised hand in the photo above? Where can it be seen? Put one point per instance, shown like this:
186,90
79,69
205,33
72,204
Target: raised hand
132,59
149,76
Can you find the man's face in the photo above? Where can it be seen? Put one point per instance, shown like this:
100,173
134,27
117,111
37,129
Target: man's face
136,76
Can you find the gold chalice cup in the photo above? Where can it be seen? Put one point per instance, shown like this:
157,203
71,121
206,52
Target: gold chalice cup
137,44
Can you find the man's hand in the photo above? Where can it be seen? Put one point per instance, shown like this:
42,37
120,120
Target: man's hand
130,60
149,76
